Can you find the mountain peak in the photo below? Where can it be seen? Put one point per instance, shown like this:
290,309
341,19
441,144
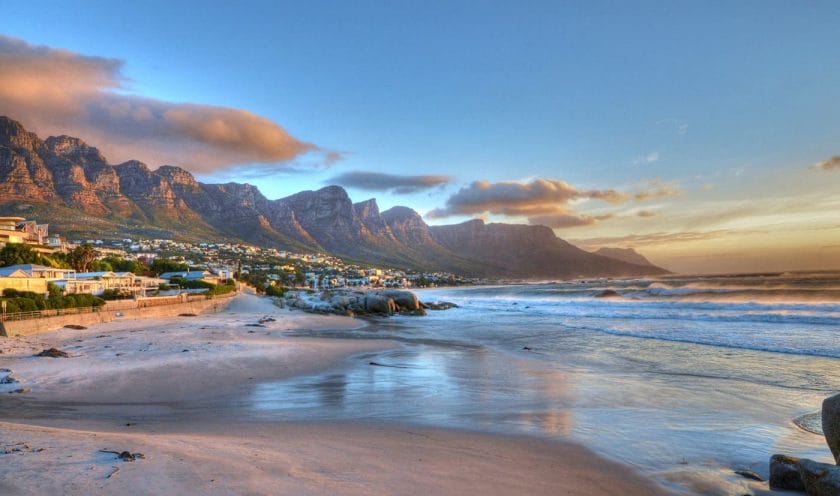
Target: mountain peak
367,208
75,149
177,175
400,213
9,125
13,133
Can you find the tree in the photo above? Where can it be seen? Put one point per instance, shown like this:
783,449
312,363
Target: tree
81,257
123,265
161,265
17,253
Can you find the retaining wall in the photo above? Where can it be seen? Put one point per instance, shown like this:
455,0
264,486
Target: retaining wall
113,312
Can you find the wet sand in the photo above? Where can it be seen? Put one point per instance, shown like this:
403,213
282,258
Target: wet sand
165,388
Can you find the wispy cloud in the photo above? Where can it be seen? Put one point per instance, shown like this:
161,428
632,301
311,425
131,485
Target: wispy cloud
378,181
656,188
680,126
651,239
828,165
541,201
648,158
55,91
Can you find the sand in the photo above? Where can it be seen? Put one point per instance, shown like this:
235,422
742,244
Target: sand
164,387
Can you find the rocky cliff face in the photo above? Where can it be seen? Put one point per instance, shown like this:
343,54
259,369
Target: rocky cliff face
64,181
628,255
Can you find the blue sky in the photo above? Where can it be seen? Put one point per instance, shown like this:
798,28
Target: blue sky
725,101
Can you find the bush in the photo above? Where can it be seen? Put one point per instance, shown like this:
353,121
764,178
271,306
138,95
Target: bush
221,289
115,294
27,301
275,291
191,284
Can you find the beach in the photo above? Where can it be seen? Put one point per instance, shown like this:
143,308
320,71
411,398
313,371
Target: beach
203,399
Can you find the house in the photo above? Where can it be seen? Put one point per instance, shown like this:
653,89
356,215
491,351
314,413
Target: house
191,275
35,270
96,283
22,231
22,281
32,277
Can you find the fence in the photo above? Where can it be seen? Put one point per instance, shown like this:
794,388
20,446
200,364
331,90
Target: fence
111,306
38,314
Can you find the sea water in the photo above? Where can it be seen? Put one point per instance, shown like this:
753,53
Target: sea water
684,378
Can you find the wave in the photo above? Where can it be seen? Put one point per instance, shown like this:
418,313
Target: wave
786,314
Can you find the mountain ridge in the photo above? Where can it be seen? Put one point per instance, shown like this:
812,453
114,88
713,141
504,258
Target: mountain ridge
70,184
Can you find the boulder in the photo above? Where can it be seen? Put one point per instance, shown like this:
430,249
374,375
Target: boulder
784,473
375,303
406,301
820,479
831,424
340,302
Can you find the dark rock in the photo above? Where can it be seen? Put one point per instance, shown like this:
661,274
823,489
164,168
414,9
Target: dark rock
53,353
266,320
440,305
749,474
608,293
831,424
186,315
75,326
9,378
125,456
820,479
254,325
784,473
20,391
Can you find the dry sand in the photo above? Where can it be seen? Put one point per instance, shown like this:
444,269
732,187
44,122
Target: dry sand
193,444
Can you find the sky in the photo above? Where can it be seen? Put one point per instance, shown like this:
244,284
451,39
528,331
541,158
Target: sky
703,134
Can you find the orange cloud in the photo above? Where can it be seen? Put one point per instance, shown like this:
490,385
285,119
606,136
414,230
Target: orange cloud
53,91
542,201
830,164
657,189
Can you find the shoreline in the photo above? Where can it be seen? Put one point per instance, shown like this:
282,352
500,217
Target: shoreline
131,385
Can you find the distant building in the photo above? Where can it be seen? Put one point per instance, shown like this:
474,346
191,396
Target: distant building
21,231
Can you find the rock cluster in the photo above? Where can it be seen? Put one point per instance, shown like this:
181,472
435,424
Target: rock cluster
801,474
358,303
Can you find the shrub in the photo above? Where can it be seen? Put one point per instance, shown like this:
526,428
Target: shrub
275,291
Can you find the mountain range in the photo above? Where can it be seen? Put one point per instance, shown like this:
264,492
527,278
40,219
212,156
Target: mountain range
63,181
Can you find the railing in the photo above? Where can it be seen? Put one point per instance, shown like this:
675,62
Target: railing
39,314
113,305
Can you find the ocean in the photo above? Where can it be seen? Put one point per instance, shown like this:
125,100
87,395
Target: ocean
685,378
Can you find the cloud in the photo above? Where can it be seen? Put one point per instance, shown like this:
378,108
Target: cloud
541,201
53,91
378,181
680,126
648,158
559,221
651,239
650,190
828,165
